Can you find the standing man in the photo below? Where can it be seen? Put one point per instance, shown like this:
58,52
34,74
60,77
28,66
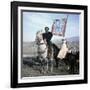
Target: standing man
47,36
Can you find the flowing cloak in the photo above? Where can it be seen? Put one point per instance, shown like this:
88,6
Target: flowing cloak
62,53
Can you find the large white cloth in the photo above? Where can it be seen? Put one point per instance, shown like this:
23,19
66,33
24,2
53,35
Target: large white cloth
62,53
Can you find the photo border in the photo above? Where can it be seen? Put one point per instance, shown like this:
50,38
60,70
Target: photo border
14,43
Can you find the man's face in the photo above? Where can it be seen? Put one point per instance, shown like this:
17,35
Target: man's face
46,30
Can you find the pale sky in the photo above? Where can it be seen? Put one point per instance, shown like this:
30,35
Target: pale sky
35,21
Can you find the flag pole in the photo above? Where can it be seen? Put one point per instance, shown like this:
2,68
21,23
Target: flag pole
65,27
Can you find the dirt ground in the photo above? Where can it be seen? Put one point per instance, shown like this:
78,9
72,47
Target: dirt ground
31,68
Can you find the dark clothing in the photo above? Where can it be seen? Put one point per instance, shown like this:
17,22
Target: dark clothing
48,37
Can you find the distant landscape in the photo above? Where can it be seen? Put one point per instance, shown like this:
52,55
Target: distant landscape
30,48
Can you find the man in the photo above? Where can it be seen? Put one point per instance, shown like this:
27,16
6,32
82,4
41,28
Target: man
47,36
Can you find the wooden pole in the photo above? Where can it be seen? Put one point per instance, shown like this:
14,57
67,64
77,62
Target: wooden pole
65,27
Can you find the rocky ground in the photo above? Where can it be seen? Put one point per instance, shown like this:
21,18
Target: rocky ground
31,67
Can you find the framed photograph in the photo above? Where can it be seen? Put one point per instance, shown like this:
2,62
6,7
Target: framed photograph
48,44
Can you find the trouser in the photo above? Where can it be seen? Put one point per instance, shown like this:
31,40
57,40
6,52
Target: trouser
49,44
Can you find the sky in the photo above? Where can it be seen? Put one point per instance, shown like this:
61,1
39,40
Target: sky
36,21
